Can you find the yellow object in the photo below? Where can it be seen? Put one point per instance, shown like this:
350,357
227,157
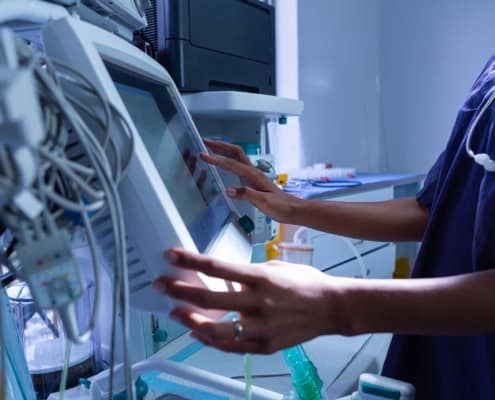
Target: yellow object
271,247
282,179
402,268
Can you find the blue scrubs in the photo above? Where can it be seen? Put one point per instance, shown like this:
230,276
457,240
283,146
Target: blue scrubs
459,239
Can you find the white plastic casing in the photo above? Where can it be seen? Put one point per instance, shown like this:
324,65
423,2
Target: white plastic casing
406,390
152,220
51,271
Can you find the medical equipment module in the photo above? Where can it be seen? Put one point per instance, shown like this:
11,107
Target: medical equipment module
66,178
48,196
121,17
166,201
215,45
106,94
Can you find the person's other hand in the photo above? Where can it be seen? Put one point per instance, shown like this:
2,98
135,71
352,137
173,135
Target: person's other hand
255,187
280,304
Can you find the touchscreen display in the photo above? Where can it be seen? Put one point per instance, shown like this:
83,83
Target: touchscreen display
174,149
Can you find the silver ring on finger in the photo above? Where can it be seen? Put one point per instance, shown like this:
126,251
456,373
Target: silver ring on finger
238,329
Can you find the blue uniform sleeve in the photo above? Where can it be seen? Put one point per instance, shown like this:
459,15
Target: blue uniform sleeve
426,195
484,224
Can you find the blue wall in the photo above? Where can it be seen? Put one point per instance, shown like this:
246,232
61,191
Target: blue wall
382,80
431,52
339,53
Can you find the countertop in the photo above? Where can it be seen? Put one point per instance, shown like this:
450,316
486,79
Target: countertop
366,181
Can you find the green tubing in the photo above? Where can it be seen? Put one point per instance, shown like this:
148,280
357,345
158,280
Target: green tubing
304,374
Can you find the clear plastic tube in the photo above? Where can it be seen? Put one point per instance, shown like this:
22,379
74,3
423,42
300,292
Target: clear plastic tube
248,372
65,371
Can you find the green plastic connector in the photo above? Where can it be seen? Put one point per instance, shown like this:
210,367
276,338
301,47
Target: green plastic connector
246,223
304,374
142,390
85,382
160,335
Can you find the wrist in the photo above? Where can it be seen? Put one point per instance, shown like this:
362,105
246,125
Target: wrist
294,210
343,300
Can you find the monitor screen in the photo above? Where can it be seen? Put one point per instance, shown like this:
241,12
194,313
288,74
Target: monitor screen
174,148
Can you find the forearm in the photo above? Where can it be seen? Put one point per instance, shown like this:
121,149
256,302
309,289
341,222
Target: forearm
458,305
395,220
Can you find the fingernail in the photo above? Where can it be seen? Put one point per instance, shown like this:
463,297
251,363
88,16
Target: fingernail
210,159
171,257
194,335
231,192
160,286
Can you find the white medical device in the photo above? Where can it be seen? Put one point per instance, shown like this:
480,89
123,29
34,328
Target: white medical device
121,17
170,197
482,159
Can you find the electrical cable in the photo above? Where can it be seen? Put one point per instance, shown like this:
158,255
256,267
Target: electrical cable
104,125
120,296
3,362
113,109
482,158
130,136
84,337
65,370
359,257
72,206
115,303
75,179
92,89
257,376
6,164
349,244
79,168
6,279
124,124
64,184
120,293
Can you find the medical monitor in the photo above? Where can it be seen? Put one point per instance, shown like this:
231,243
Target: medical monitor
171,143
170,196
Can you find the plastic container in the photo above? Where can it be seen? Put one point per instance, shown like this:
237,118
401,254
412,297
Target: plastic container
43,339
17,382
297,253
300,250
319,172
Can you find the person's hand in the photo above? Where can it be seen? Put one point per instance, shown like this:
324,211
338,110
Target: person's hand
255,187
280,304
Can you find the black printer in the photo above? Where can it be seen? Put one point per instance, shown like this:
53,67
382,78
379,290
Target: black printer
214,44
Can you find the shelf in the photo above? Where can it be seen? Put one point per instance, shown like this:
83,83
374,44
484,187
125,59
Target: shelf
230,104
